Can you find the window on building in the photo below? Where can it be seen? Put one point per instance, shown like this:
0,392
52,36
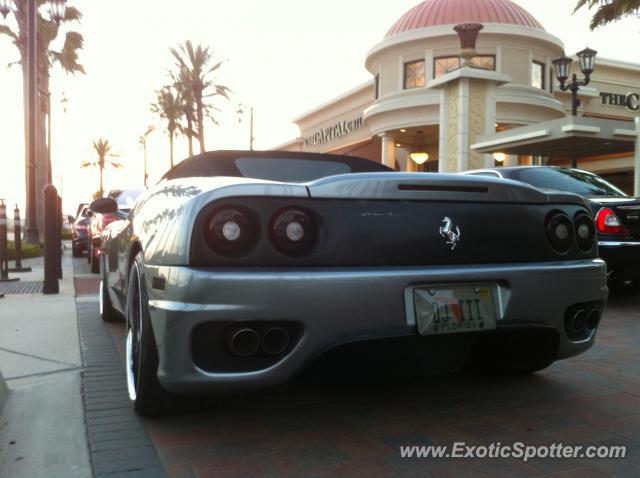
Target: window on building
377,86
443,64
537,75
486,62
414,74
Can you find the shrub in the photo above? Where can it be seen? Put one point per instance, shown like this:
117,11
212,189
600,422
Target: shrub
28,250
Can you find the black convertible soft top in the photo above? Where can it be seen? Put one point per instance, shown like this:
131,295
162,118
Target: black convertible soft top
283,166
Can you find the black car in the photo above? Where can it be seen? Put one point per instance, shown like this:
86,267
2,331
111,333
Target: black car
80,230
617,215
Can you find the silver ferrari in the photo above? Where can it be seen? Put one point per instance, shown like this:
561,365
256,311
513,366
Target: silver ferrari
240,270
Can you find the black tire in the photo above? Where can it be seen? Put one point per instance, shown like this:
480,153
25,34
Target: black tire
95,262
75,250
148,397
107,312
625,288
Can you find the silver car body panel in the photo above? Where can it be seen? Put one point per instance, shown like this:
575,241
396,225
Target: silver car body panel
337,306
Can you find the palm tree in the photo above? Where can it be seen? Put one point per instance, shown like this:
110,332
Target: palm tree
182,85
104,152
66,57
608,11
193,64
169,107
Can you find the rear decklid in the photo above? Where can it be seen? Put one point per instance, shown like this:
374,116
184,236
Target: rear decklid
435,187
627,209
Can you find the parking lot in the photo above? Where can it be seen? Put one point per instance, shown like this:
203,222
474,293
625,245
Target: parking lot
321,428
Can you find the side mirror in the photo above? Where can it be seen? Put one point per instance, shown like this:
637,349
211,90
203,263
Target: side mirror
104,206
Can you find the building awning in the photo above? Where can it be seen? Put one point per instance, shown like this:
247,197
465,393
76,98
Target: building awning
570,137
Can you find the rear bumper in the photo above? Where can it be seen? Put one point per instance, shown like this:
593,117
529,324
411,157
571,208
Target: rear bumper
81,242
622,258
341,306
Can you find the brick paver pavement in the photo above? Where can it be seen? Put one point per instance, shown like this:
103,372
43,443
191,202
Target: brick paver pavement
356,429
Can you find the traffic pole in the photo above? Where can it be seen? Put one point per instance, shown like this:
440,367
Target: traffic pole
4,252
51,250
59,236
17,241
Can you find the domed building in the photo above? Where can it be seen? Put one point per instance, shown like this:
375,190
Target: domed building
419,97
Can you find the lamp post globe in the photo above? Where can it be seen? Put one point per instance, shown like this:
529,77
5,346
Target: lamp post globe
562,66
6,7
58,10
587,61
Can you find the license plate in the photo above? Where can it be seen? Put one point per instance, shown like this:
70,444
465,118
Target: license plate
454,309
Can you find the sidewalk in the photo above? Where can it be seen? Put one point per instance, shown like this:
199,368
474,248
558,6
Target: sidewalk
42,430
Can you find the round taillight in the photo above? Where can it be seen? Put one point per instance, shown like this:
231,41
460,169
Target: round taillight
560,232
230,231
585,231
292,231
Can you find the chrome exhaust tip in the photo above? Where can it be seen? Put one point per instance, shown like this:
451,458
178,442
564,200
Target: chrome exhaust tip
593,319
579,321
244,342
275,340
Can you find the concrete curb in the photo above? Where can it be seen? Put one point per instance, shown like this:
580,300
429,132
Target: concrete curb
4,391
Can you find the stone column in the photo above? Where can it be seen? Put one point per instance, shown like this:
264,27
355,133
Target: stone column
388,150
412,167
636,161
467,111
510,160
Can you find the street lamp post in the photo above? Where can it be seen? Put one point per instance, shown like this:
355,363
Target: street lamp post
562,65
31,234
240,112
143,143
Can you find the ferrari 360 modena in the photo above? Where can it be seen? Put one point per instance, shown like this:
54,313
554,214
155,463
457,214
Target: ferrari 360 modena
239,270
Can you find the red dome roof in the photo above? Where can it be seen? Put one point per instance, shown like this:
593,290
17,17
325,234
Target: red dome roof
431,13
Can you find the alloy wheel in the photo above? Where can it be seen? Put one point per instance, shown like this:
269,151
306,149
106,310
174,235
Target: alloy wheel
134,335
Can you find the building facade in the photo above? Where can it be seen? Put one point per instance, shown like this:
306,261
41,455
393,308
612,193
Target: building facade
414,104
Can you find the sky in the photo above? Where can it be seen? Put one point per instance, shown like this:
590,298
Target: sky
283,57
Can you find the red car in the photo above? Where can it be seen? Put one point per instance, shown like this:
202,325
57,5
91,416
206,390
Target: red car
125,199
